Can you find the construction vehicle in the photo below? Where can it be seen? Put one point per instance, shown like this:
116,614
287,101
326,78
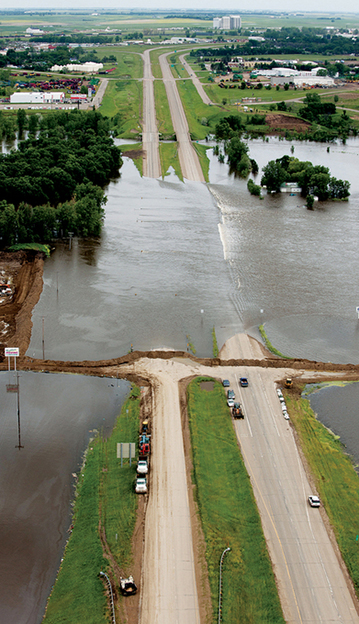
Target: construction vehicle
288,383
128,586
237,411
145,427
144,446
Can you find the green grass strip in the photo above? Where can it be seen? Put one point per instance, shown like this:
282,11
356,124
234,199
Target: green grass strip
215,349
203,159
269,345
201,118
169,158
164,121
78,595
229,513
335,479
134,147
30,246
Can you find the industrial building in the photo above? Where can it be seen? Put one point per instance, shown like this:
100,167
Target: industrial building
37,97
227,22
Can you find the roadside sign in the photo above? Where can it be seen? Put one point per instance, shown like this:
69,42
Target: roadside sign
12,352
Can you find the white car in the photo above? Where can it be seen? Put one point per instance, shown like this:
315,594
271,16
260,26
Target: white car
141,485
230,402
284,407
279,392
286,415
142,467
314,501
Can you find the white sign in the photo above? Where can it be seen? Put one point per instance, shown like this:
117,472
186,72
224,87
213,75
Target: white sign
12,352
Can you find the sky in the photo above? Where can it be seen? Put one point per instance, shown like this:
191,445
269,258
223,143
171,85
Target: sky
233,6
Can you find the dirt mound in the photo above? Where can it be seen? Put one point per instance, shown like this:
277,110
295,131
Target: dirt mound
23,272
286,122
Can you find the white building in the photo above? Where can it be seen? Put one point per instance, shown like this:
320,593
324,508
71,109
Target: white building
227,22
37,97
89,67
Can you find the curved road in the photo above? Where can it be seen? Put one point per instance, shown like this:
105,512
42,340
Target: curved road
196,81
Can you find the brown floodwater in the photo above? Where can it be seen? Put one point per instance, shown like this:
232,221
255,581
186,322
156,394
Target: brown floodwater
58,416
175,260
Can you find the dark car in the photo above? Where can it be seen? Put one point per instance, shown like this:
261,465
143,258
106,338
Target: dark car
230,394
244,382
226,383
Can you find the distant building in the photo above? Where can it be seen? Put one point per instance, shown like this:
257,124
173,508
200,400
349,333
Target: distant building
37,97
88,67
227,22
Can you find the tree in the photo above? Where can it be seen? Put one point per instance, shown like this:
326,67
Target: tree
339,189
281,106
273,176
238,160
286,86
310,202
21,121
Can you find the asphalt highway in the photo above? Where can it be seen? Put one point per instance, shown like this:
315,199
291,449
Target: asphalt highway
150,140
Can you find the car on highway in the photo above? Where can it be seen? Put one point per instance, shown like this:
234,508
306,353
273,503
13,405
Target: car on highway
279,392
244,382
314,501
286,415
141,485
230,402
230,394
226,383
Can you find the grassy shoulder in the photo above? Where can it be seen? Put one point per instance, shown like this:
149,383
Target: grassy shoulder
155,64
123,101
229,513
163,115
203,159
201,118
104,493
335,479
129,64
169,158
268,343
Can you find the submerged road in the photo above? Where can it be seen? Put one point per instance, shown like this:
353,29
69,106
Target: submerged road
189,161
150,139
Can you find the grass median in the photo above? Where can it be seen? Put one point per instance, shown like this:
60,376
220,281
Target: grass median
169,158
163,115
229,513
104,491
335,478
201,118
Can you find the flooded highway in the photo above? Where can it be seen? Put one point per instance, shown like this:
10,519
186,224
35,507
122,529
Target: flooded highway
175,260
58,416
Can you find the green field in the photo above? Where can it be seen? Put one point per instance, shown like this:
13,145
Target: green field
129,64
124,99
228,513
163,115
169,158
335,479
104,493
134,147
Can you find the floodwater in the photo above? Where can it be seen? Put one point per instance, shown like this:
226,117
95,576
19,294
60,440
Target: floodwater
175,260
338,409
58,414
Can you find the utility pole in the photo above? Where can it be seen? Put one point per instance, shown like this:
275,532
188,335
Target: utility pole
43,338
19,445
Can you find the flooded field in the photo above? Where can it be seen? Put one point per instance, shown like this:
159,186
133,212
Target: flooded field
58,416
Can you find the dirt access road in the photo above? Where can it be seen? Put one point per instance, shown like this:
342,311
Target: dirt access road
190,165
196,81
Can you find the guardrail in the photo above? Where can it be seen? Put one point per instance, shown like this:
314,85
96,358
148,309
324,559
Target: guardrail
220,585
111,597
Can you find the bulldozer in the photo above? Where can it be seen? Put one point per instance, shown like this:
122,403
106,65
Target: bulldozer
288,383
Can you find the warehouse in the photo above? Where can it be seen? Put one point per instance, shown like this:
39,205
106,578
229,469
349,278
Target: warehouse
37,97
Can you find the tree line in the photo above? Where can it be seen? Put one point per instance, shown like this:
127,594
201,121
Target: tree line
52,184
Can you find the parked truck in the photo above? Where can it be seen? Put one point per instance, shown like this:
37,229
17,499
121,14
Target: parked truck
237,411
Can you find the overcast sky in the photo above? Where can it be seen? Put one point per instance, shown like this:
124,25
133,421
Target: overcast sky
233,6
